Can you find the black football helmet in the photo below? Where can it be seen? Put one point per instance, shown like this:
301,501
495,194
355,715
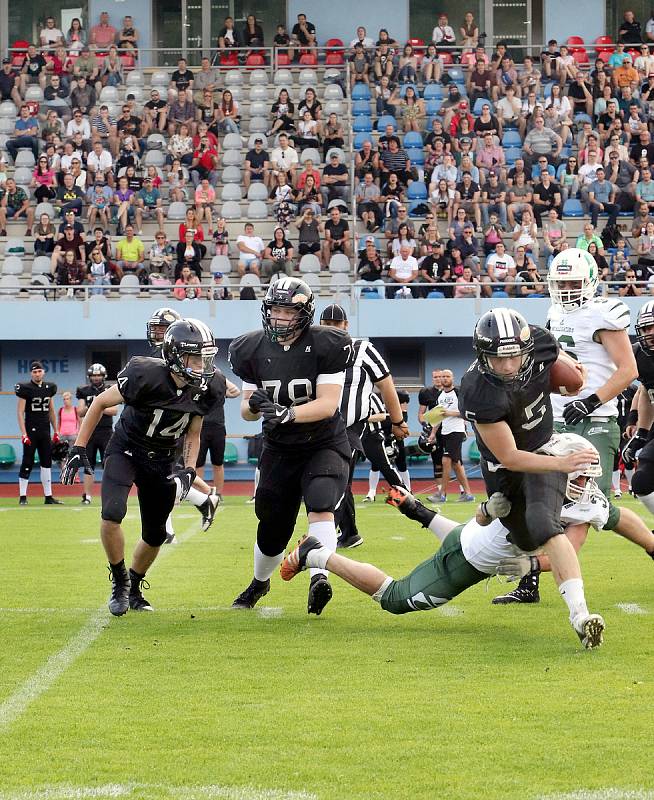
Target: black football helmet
424,444
503,333
97,371
60,451
190,337
644,320
158,324
290,293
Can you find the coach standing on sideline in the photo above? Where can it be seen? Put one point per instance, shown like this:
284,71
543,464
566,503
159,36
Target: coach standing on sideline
368,370
213,434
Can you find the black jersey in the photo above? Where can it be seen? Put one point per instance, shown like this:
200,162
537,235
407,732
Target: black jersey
645,366
527,410
217,414
291,374
37,404
88,394
157,412
428,397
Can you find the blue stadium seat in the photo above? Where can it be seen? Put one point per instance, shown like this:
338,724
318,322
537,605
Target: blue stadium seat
368,293
500,293
416,155
412,139
385,120
511,154
581,118
413,205
360,138
417,191
572,208
511,139
362,125
434,91
435,295
361,108
456,74
361,91
433,106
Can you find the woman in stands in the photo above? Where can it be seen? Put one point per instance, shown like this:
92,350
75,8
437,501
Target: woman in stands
404,239
441,201
76,36
432,65
252,34
44,236
44,181
228,116
469,33
283,111
111,73
412,109
177,180
392,195
191,223
309,196
333,136
408,66
312,104
180,146
307,132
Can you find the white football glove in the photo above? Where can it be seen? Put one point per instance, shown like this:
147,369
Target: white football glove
497,506
517,566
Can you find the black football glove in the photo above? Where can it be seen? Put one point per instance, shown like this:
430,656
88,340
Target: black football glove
275,414
636,443
575,411
77,459
259,396
183,479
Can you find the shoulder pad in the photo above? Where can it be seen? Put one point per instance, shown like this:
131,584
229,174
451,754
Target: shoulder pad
610,313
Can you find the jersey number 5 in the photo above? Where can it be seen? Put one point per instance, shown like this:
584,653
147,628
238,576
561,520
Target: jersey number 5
175,430
534,415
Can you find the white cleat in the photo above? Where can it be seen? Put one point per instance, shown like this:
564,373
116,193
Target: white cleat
208,509
590,630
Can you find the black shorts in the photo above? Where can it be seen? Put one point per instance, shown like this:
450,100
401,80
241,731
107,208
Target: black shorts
98,445
536,502
125,467
212,441
452,444
41,443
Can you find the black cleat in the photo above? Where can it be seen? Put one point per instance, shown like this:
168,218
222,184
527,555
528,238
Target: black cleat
525,592
348,542
320,593
208,509
136,600
86,500
22,500
52,501
251,596
119,599
410,506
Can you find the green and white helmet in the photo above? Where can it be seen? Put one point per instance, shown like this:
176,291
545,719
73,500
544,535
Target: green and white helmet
581,485
575,266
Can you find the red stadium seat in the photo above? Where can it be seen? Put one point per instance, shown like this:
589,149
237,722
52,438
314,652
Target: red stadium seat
17,58
334,45
603,40
309,60
129,62
255,60
282,59
334,59
603,54
580,56
447,58
418,46
604,44
229,60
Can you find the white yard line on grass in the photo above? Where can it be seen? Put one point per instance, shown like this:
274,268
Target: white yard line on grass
631,608
44,677
608,793
141,789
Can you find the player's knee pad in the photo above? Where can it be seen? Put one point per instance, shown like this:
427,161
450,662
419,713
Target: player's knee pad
154,535
642,481
114,509
25,471
273,538
323,493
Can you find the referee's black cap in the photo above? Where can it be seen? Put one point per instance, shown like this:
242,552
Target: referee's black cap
333,313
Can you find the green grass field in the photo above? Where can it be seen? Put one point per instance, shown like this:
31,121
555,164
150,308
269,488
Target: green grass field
196,701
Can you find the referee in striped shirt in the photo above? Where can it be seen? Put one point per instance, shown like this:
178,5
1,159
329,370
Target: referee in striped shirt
369,370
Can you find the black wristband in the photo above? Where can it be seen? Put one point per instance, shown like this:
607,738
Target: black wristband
397,424
632,417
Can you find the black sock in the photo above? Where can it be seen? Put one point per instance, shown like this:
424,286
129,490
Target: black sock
136,578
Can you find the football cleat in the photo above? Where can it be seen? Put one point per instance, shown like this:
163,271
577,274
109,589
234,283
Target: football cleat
296,560
86,500
136,600
590,630
208,509
52,501
466,498
22,500
320,593
348,542
119,598
436,498
369,499
251,596
410,506
250,502
525,592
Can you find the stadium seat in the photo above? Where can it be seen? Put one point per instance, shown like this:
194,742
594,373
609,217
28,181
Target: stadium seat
156,141
154,158
360,138
334,92
231,210
160,78
257,191
334,45
339,262
580,57
283,77
361,108
254,136
250,280
511,154
257,209
108,94
258,125
231,191
12,265
129,284
435,295
255,60
417,190
8,109
220,264
44,208
416,208
309,263
9,286
456,74
511,138
362,125
413,139
383,121
500,293
258,92
233,78
282,59
7,126
416,155
135,78
432,107
308,77
258,108
480,102
232,175
313,281
258,77
14,247
418,46
22,175
41,266
334,107
176,210
309,59
581,118
572,208
339,153
34,94
433,91
311,154
232,158
361,91
24,158
339,281
7,455
232,141
371,293
334,59
231,453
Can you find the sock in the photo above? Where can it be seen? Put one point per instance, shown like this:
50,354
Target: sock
317,559
373,481
118,571
406,478
615,480
461,489
440,526
257,475
629,474
23,483
264,566
169,525
135,580
647,500
325,533
572,592
195,496
46,480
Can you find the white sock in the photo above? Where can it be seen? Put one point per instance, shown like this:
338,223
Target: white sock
46,480
647,500
461,489
629,474
325,533
615,480
373,481
264,566
169,525
317,559
23,483
406,478
572,592
441,526
195,496
257,475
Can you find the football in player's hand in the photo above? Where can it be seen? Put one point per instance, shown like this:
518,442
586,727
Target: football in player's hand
566,376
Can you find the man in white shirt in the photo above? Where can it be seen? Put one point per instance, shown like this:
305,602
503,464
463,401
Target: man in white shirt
362,39
284,158
250,248
51,36
499,266
453,435
443,34
99,163
78,124
403,269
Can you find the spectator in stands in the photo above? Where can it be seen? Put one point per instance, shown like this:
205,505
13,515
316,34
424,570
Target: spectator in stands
33,70
187,285
228,36
251,249
490,157
102,242
493,199
541,141
189,254
181,79
335,181
282,112
221,237
568,178
180,147
333,134
278,255
71,221
566,67
506,75
83,96
44,236
601,197
99,197
70,270
308,194
589,236
218,291
367,198
307,132
525,234
130,254
284,158
9,83
371,267
103,35
630,32
645,188
469,32
310,230
206,80
124,204
155,114
407,65
257,165
467,285
468,197
395,159
71,241
111,71
128,36
283,200
161,254
182,113
303,34
205,163
382,63
530,283
177,177
252,34
555,233
86,66
227,114
76,38
546,194
443,35
441,199
14,204
78,124
508,108
26,133
56,97
44,181
205,199
99,270
642,148
392,227
403,270
412,110
360,65
630,289
99,164
191,222
148,203
337,236
69,196
625,76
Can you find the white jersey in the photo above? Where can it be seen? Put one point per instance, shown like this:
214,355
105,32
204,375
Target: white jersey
576,332
450,402
485,546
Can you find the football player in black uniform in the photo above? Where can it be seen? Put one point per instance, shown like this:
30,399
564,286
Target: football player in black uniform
36,414
293,375
164,401
505,394
200,495
97,375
